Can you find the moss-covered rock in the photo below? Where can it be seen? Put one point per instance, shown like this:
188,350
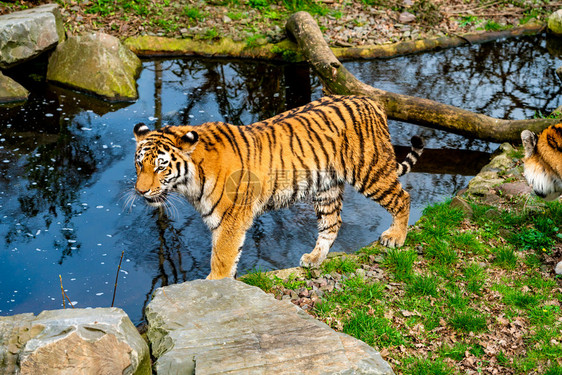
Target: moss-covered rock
555,22
96,63
11,91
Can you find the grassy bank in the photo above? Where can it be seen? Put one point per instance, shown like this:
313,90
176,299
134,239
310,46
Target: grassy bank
472,291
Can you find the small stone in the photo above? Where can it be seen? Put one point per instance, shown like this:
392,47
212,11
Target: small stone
360,272
558,268
327,288
341,43
315,272
461,204
408,314
490,199
515,188
406,17
226,19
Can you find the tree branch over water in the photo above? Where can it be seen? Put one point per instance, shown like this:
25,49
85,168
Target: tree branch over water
338,80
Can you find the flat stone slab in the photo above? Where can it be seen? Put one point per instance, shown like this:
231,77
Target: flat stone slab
28,33
228,327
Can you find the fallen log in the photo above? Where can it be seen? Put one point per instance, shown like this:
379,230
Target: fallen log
338,80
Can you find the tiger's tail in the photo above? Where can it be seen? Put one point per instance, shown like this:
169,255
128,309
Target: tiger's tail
412,157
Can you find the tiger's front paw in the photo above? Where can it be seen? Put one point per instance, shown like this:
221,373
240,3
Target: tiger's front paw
390,238
309,260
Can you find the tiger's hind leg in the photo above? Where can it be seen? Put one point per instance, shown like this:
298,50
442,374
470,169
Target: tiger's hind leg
396,201
327,205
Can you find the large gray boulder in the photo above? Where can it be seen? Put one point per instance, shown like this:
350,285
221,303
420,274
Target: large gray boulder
11,91
225,326
28,33
72,341
97,63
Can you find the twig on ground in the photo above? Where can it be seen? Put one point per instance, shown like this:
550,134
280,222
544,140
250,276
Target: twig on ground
62,290
64,295
116,278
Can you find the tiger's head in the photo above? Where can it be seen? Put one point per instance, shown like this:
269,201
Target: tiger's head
162,160
543,161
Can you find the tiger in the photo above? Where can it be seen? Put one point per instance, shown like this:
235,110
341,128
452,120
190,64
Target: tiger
231,173
543,161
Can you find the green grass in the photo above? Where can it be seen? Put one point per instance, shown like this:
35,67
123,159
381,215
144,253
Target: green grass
442,252
467,321
494,26
194,14
456,283
468,20
455,352
400,263
531,238
421,285
340,264
254,40
475,277
258,278
291,282
467,242
505,257
372,330
554,369
423,366
211,33
258,4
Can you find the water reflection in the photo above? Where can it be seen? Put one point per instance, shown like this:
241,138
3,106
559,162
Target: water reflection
66,168
513,79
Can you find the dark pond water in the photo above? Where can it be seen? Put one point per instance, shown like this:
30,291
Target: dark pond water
66,167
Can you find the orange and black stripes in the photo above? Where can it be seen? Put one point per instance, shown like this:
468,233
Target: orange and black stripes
233,173
543,161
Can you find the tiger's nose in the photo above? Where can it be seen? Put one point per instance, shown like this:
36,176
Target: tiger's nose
141,191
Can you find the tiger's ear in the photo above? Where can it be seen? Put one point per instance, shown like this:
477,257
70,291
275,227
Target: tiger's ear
140,130
188,141
529,140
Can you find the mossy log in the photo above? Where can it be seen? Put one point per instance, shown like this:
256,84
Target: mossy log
338,80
